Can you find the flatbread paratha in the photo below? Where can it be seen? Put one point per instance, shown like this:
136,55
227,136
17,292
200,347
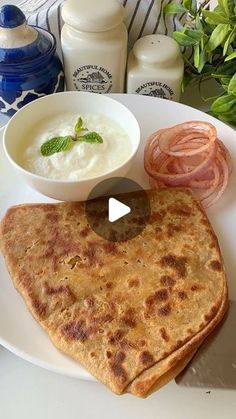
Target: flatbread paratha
133,313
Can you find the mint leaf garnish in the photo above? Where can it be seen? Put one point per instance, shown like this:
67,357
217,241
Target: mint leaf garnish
91,137
56,144
79,126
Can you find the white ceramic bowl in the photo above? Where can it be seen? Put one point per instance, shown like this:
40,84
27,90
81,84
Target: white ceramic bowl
58,103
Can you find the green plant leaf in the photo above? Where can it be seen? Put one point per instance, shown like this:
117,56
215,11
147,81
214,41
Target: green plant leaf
194,6
227,68
228,41
208,69
183,39
56,144
225,87
231,114
209,57
197,35
189,65
174,8
202,61
186,80
232,86
224,6
219,76
204,40
210,98
196,55
214,18
225,80
198,23
228,119
223,104
91,137
231,56
187,4
218,36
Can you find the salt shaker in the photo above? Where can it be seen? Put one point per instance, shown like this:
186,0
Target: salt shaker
155,67
94,44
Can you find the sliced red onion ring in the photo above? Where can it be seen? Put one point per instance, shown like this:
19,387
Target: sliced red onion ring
189,155
169,138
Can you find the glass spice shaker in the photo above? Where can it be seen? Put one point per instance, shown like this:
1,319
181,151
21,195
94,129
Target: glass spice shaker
94,44
155,67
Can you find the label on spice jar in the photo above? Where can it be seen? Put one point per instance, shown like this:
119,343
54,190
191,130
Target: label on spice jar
92,78
156,89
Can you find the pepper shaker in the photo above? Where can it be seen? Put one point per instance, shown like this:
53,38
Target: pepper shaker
155,67
94,45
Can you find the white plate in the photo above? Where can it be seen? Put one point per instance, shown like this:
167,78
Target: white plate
18,331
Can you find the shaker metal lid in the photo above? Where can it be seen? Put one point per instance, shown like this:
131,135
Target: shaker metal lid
156,49
21,43
93,15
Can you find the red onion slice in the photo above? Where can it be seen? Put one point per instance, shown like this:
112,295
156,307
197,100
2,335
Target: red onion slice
184,132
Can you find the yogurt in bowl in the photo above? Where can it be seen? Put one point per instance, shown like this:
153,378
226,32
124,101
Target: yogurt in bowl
70,173
84,160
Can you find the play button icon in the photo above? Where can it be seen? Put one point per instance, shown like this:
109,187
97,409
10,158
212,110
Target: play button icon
118,209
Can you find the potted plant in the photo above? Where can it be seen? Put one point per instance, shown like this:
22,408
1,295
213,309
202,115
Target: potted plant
212,36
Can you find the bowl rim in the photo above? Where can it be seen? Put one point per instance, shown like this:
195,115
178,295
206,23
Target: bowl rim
66,181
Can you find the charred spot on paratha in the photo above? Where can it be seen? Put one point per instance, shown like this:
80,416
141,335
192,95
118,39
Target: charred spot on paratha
72,262
182,295
209,316
76,330
168,281
84,232
178,263
216,265
181,210
60,289
108,354
117,368
196,287
133,283
146,358
164,334
157,216
128,319
160,295
109,285
164,310
39,307
172,229
114,338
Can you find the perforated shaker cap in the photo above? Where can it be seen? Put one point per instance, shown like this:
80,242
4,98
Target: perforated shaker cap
93,15
156,49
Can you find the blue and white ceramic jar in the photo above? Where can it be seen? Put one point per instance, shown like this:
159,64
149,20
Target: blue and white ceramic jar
29,65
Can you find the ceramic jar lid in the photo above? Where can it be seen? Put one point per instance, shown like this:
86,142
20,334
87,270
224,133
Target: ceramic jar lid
93,15
19,42
156,49
11,16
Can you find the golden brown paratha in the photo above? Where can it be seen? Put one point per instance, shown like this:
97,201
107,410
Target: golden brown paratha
133,313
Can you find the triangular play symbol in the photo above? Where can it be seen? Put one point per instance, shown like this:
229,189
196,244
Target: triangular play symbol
117,210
